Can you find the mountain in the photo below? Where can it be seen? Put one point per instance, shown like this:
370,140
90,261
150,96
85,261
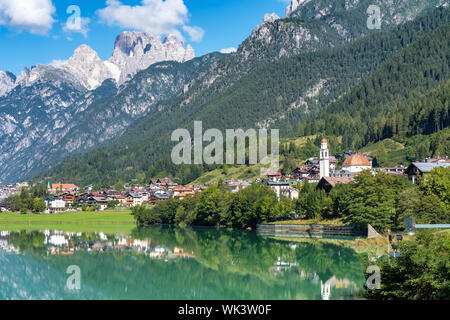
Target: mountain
7,80
134,51
283,94
51,119
47,102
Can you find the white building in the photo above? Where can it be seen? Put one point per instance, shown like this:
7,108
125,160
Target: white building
324,160
55,204
357,163
280,187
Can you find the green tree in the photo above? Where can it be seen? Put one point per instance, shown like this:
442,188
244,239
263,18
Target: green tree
437,183
420,273
39,205
372,201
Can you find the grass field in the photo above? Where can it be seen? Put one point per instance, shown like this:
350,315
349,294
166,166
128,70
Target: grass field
106,221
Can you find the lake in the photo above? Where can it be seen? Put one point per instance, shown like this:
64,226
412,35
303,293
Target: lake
165,263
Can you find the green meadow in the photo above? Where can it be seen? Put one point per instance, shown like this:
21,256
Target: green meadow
106,221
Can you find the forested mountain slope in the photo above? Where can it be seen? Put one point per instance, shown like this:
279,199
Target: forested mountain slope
53,118
286,93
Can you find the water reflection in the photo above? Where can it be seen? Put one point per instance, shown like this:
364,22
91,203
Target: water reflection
170,263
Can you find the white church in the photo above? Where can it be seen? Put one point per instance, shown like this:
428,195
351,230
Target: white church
351,166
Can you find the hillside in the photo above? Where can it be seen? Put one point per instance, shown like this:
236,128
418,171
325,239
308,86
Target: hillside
54,118
286,93
276,88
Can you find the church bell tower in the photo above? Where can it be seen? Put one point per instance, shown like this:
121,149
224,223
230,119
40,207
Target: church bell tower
324,160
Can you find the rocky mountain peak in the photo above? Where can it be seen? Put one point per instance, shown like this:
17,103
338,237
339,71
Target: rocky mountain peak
295,4
271,17
135,51
88,68
7,80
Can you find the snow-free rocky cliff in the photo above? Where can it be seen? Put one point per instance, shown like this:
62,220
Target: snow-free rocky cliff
133,51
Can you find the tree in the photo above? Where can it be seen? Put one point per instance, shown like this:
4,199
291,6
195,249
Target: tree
113,204
437,183
372,201
420,273
39,205
119,186
311,201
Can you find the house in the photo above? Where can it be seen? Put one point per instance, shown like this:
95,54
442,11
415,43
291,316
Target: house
156,198
291,193
5,207
418,169
357,163
275,176
68,198
134,200
280,187
393,171
62,187
181,192
342,173
237,186
328,183
55,204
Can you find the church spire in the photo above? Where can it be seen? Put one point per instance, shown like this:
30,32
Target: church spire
324,160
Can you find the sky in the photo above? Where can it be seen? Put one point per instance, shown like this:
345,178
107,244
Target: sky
45,31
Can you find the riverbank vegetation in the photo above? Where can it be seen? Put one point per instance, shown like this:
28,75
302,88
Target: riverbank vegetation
377,199
421,272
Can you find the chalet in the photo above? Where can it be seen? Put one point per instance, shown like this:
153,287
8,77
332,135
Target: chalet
181,192
91,200
418,169
133,200
328,183
301,172
156,198
69,198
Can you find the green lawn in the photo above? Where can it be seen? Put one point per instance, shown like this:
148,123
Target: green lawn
107,221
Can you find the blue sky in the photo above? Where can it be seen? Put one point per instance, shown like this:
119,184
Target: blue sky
35,31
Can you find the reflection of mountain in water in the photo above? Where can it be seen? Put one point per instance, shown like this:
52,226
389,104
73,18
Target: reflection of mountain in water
170,263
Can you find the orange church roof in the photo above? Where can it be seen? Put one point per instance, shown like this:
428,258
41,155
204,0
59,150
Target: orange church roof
356,160
63,186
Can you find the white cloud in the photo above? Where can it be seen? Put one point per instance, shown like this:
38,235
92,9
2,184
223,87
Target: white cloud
157,16
34,16
79,25
195,33
228,50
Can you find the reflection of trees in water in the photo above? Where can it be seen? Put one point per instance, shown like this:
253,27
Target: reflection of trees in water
228,264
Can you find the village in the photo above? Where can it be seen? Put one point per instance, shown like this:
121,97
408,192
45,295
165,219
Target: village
322,170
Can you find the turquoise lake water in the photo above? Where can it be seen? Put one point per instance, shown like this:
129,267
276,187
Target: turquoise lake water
165,263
